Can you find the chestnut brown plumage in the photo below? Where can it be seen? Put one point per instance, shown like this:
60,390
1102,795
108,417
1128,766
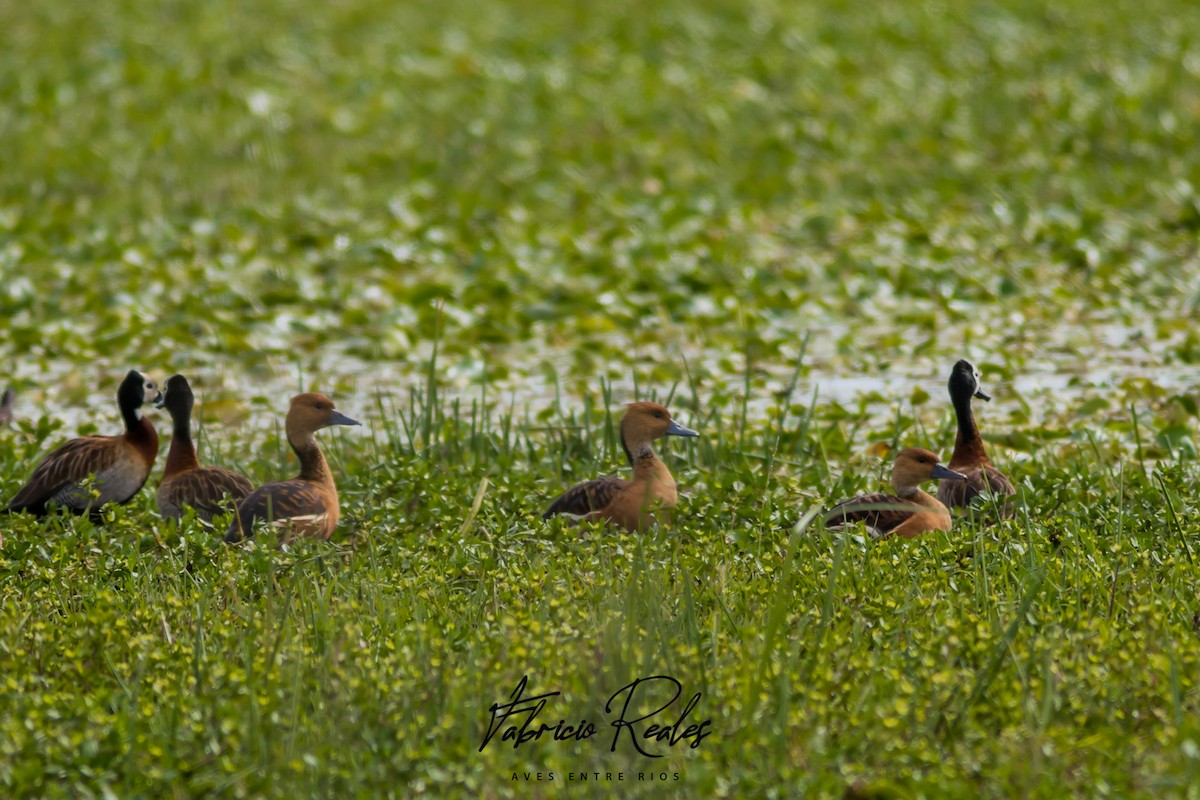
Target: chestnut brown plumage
207,490
969,457
307,505
119,465
909,514
628,503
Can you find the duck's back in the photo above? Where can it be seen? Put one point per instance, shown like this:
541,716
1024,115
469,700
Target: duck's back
310,505
983,478
208,490
59,477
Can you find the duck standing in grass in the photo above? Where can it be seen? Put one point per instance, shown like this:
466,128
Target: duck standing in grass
307,505
208,490
6,407
120,464
969,457
910,512
626,502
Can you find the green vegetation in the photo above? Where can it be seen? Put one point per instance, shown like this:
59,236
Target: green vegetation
482,226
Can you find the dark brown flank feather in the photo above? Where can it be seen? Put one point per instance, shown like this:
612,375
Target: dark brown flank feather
586,497
209,490
883,520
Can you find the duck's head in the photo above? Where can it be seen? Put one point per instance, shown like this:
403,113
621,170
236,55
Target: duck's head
964,382
643,423
915,466
135,391
177,397
310,412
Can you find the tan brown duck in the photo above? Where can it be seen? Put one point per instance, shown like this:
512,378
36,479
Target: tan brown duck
306,505
629,503
910,512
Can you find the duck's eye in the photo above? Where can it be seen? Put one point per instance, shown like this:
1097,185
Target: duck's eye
658,415
320,406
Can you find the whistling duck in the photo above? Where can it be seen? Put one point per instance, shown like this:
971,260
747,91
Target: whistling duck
208,490
307,505
621,502
969,456
6,406
912,467
120,463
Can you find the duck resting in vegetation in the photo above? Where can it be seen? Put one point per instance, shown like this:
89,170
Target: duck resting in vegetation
628,503
307,505
969,456
120,464
910,512
208,490
6,407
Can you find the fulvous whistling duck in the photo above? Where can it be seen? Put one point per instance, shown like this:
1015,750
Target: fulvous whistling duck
6,406
625,502
912,513
208,490
307,505
969,456
119,463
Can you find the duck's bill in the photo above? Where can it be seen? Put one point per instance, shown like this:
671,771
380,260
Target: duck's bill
979,393
161,400
675,429
338,418
157,398
941,473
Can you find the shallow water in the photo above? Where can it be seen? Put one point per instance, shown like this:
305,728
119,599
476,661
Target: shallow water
1055,380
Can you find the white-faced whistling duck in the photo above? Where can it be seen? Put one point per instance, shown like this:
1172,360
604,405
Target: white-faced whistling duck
208,490
969,457
119,463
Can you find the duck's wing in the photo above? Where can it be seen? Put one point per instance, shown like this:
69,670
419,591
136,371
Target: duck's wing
72,462
882,512
211,490
272,502
586,497
956,493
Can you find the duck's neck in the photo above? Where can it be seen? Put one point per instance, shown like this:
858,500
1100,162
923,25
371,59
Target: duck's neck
137,427
915,495
312,461
648,466
182,455
968,447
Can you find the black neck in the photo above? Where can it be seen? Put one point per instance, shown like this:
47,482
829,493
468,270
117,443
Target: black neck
130,415
181,425
967,432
